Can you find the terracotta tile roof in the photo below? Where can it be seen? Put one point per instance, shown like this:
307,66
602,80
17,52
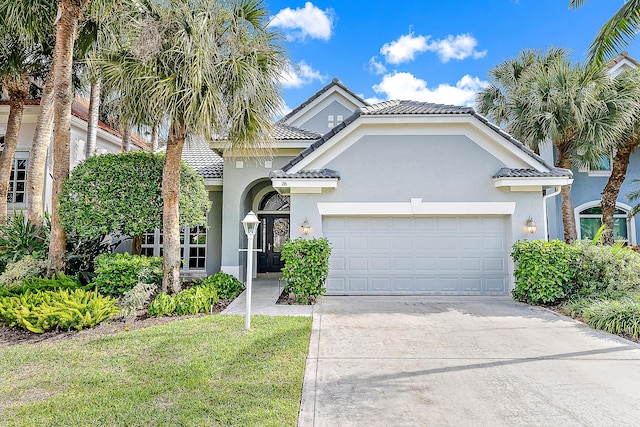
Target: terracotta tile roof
80,109
622,56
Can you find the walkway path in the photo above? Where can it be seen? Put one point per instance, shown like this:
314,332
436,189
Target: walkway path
264,295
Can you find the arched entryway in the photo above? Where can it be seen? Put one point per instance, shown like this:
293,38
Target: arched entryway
274,231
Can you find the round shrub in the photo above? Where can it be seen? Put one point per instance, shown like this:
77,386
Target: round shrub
226,285
119,273
543,271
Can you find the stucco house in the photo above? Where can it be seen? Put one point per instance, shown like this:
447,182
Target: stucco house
415,198
108,141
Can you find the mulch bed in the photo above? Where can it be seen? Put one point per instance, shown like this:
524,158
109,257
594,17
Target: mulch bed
14,335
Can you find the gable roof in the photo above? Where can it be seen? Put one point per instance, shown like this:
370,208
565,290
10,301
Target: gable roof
334,83
619,58
397,107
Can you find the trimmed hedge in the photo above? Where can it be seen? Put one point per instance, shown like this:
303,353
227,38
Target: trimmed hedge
119,273
306,267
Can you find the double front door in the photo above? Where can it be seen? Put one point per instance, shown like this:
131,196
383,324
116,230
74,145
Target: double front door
272,235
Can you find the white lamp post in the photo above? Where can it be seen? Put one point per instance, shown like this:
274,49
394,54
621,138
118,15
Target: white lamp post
250,224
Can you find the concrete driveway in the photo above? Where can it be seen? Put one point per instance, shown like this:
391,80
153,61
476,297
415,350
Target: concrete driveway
464,361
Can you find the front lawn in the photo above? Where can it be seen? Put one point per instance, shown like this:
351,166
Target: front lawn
194,372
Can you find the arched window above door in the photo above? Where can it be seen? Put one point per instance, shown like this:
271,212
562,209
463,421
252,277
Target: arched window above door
274,202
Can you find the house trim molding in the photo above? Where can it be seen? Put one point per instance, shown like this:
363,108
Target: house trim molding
416,207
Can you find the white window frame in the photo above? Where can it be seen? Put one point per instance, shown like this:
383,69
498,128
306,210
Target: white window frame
19,155
186,246
599,172
631,223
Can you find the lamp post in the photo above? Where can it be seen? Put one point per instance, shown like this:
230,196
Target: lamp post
250,224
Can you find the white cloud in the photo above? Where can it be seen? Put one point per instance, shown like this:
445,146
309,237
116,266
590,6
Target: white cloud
453,47
310,21
376,67
456,47
299,75
405,86
404,49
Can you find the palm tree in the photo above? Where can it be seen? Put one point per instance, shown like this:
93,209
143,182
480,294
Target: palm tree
577,109
616,33
629,85
22,61
210,68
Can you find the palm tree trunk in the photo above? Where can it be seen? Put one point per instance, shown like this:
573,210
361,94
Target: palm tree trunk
66,30
126,138
18,91
94,114
154,138
612,189
170,214
38,155
568,218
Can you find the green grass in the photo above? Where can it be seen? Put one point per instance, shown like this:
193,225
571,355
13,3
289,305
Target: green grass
205,371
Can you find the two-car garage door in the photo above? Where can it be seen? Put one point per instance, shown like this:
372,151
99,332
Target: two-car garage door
417,255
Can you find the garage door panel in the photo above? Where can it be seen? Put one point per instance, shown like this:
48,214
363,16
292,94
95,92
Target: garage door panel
358,283
448,264
418,255
380,242
358,264
357,242
471,265
494,265
496,284
380,283
402,265
380,263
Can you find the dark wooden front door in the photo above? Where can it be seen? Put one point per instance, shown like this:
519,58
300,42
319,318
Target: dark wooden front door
273,233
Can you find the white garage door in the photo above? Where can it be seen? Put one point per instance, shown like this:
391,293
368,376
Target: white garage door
417,255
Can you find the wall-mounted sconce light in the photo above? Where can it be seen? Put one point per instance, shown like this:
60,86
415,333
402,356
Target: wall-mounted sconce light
306,228
531,226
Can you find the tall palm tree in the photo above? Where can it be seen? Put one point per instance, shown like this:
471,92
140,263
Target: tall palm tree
616,33
628,84
21,62
577,109
210,68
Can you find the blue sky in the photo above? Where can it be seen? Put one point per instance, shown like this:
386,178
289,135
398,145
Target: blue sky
436,51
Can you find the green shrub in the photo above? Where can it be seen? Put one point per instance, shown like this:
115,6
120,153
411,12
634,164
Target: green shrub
197,299
136,298
34,284
24,268
543,271
81,256
19,237
306,267
599,267
41,311
615,316
226,285
119,273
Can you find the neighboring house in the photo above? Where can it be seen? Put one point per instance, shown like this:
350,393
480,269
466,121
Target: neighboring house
415,198
588,185
108,141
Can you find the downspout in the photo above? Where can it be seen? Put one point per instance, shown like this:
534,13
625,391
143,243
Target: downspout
544,210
